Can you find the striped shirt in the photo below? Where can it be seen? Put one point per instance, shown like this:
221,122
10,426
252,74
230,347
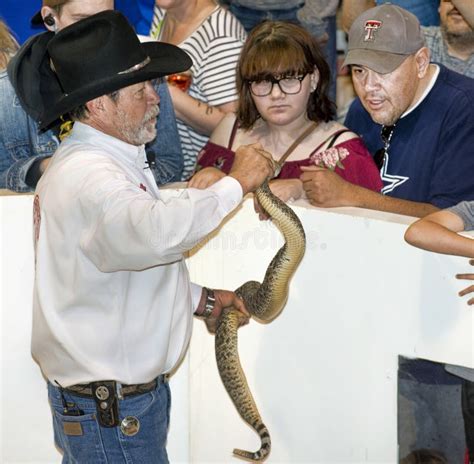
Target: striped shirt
214,48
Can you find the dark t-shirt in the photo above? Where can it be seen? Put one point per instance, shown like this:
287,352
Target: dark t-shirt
431,155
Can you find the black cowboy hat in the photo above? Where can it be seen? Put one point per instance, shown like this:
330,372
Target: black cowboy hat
101,54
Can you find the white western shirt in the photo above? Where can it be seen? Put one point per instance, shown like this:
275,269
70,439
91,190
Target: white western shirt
112,296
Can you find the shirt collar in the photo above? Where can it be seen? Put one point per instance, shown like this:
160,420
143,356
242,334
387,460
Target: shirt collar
425,93
127,153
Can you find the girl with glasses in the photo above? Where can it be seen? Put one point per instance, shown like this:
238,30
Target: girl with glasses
283,81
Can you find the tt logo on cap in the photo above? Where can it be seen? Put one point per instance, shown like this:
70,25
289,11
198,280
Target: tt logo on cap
370,27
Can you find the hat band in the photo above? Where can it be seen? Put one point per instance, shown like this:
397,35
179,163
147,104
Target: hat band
137,66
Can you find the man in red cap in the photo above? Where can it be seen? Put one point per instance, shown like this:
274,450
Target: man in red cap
451,43
416,117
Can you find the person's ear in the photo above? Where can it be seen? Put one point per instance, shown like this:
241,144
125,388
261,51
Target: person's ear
49,18
422,59
314,79
95,106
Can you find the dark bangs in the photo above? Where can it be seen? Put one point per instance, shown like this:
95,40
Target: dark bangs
272,58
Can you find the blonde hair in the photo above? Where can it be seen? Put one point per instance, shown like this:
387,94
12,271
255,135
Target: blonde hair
8,45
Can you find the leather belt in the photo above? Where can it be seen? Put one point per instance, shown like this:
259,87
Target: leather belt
89,390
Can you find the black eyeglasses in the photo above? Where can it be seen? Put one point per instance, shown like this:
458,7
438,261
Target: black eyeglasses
386,135
290,85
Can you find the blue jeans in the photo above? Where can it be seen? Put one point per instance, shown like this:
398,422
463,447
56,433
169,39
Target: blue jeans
250,18
88,442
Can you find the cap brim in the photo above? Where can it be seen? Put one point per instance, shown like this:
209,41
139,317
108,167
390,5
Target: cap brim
37,19
380,62
165,59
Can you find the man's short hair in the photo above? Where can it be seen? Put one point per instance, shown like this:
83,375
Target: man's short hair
81,112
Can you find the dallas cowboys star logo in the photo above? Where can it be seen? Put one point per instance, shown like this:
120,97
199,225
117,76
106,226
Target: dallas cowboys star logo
390,182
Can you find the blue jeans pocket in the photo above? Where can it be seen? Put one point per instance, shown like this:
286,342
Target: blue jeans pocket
78,437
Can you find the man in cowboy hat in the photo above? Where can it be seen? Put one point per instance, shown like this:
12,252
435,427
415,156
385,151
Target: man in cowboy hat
113,304
24,150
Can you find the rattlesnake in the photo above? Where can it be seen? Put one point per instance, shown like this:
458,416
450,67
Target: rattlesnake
264,302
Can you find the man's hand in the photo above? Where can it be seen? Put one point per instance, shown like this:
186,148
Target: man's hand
205,178
224,299
252,165
465,8
469,289
325,188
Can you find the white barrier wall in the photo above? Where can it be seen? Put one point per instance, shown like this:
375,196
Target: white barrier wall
323,373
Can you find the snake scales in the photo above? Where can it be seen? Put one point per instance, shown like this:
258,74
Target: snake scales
264,301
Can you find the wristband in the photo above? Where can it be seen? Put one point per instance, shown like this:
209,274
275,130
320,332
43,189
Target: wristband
210,303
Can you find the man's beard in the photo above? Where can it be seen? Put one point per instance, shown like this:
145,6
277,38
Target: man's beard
142,134
462,40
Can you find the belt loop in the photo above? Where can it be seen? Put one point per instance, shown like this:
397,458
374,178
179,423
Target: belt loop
119,391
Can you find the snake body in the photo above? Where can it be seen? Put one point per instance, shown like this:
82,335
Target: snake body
264,302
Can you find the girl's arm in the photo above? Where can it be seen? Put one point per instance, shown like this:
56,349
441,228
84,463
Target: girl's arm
438,232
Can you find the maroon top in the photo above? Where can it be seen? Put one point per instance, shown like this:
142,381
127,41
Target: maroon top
359,167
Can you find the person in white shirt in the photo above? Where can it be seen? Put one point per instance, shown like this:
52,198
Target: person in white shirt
113,303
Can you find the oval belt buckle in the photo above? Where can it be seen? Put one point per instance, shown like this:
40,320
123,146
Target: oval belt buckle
130,426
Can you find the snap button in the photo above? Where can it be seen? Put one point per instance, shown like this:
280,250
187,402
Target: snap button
130,426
